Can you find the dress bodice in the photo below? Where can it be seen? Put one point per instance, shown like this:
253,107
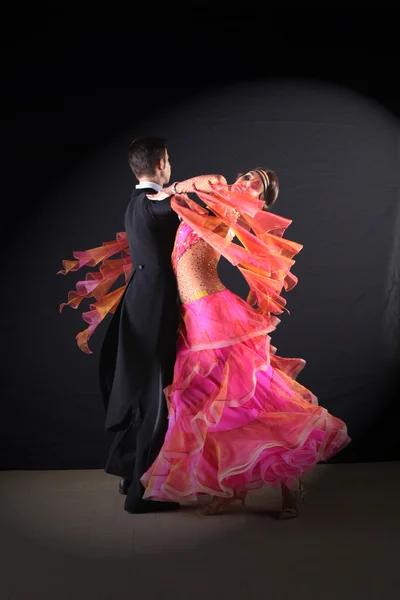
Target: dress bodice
195,264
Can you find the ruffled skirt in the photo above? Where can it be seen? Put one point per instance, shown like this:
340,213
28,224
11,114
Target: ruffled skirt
238,419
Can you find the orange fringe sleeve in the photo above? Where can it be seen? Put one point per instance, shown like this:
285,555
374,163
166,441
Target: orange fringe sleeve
97,284
264,256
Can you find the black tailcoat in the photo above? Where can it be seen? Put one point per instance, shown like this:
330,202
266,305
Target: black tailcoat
138,352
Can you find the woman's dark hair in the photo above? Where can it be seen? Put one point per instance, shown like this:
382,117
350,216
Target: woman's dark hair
271,185
144,154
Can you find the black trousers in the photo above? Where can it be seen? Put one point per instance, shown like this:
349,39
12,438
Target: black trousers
135,449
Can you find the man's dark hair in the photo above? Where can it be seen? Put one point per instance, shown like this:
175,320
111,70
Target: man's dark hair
144,153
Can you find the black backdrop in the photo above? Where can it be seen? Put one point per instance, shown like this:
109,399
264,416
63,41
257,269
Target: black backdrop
313,97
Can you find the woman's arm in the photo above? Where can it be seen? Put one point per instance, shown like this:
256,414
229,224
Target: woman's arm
201,183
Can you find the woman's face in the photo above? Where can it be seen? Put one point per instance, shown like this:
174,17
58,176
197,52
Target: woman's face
251,182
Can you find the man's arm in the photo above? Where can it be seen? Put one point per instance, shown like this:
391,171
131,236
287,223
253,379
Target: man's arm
160,208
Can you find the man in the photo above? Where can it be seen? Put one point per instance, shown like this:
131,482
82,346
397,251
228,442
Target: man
138,353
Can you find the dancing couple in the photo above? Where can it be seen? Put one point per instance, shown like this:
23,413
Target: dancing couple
199,401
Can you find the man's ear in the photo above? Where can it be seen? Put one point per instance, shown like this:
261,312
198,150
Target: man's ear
161,163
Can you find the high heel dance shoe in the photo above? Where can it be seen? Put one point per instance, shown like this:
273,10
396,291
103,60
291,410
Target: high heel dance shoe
291,504
218,505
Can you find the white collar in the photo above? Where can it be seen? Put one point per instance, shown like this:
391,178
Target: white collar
149,184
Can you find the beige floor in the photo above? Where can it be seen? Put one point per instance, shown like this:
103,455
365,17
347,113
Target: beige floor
65,535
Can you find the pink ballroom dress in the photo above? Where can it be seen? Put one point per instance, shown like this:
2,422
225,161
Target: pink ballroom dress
238,419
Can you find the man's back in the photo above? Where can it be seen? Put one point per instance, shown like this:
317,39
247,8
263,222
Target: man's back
147,318
151,228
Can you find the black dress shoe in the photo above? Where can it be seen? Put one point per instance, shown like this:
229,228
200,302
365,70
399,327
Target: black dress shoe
149,506
124,485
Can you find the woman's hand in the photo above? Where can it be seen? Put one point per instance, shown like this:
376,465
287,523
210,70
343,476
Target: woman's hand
201,183
161,195
204,183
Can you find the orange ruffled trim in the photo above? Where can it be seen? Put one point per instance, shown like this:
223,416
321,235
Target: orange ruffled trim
264,256
97,284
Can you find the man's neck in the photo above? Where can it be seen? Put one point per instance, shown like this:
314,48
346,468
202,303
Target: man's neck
149,182
149,179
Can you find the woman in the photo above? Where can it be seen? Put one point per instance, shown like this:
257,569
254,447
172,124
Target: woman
237,417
